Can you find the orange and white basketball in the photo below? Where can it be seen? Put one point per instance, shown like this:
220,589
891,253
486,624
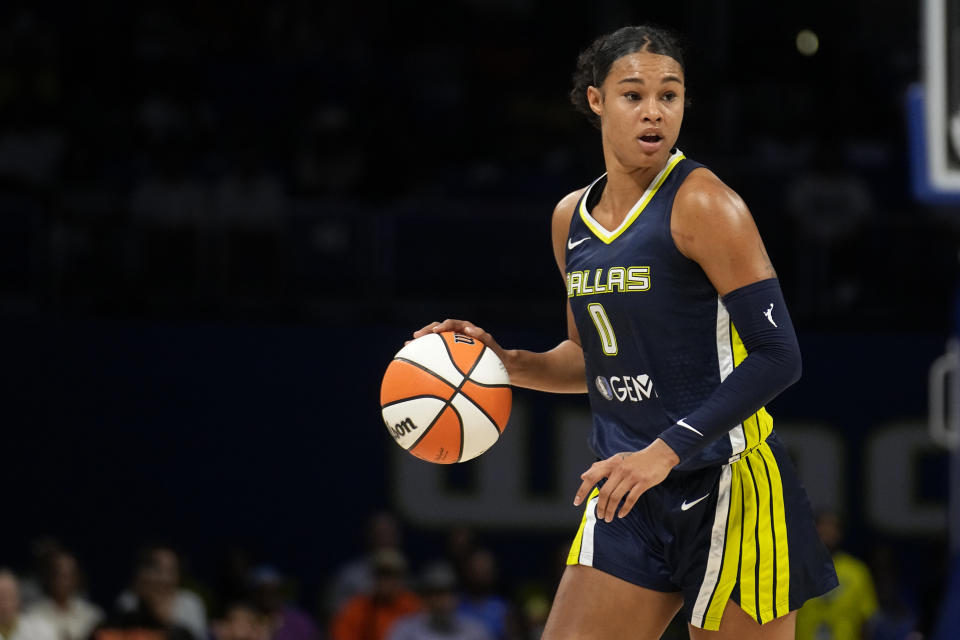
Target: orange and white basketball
445,397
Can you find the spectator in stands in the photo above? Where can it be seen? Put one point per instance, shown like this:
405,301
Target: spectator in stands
240,621
42,548
150,620
439,620
900,614
231,581
948,620
63,605
370,616
461,543
13,625
284,620
356,576
846,612
157,593
480,599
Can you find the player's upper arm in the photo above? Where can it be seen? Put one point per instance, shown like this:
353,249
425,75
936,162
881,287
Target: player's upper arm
560,227
712,226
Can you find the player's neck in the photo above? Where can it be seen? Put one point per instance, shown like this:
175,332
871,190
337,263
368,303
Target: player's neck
625,186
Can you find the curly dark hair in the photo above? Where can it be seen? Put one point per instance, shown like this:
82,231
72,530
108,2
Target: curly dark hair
594,62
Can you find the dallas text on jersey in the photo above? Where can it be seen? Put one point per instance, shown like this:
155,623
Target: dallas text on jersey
618,280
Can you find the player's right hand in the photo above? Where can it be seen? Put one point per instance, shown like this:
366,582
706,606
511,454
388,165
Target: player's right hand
467,328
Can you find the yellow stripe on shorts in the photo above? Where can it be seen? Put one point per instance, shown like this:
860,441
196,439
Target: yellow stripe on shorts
766,547
779,518
748,545
756,555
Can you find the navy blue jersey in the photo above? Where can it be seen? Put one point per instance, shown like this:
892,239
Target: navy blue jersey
656,337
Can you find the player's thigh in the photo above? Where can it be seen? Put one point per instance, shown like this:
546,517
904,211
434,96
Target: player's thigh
591,605
737,625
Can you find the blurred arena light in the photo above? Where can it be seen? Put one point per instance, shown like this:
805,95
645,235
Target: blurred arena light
807,42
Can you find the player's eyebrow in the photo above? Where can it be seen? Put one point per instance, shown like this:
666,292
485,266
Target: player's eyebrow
663,80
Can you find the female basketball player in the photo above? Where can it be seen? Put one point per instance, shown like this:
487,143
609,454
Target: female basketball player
679,333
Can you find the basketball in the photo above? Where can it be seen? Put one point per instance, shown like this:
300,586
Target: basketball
445,397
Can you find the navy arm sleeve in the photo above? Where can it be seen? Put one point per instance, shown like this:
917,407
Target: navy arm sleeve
760,316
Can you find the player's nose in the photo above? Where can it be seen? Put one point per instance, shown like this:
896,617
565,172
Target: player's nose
651,110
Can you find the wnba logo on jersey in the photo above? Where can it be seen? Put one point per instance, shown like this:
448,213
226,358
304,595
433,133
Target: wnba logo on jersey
632,388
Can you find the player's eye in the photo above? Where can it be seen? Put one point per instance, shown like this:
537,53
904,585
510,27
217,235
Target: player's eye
632,96
669,96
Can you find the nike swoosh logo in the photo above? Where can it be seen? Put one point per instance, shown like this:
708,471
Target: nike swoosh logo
686,505
572,245
686,426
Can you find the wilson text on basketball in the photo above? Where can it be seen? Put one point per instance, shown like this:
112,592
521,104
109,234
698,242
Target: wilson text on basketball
403,428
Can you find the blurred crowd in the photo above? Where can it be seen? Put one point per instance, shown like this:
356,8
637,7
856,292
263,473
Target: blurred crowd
458,594
376,596
215,158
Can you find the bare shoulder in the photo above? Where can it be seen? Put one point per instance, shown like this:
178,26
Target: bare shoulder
703,198
563,212
706,208
712,226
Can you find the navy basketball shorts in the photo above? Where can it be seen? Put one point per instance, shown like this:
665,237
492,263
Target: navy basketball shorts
741,531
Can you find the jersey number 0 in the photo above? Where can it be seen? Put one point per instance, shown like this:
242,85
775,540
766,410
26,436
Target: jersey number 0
608,338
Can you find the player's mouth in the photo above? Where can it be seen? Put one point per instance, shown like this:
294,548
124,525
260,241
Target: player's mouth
650,141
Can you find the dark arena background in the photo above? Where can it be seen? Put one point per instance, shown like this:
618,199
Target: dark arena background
219,221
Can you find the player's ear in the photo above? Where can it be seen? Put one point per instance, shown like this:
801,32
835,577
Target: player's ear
595,100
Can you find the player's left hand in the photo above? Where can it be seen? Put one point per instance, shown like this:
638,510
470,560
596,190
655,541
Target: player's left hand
628,475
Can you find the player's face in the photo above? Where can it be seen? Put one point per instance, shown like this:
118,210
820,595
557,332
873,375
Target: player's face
640,104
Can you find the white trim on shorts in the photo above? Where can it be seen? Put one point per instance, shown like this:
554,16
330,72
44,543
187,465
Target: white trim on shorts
717,546
586,542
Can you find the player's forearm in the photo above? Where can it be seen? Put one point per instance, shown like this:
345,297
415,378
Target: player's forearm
773,363
559,370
